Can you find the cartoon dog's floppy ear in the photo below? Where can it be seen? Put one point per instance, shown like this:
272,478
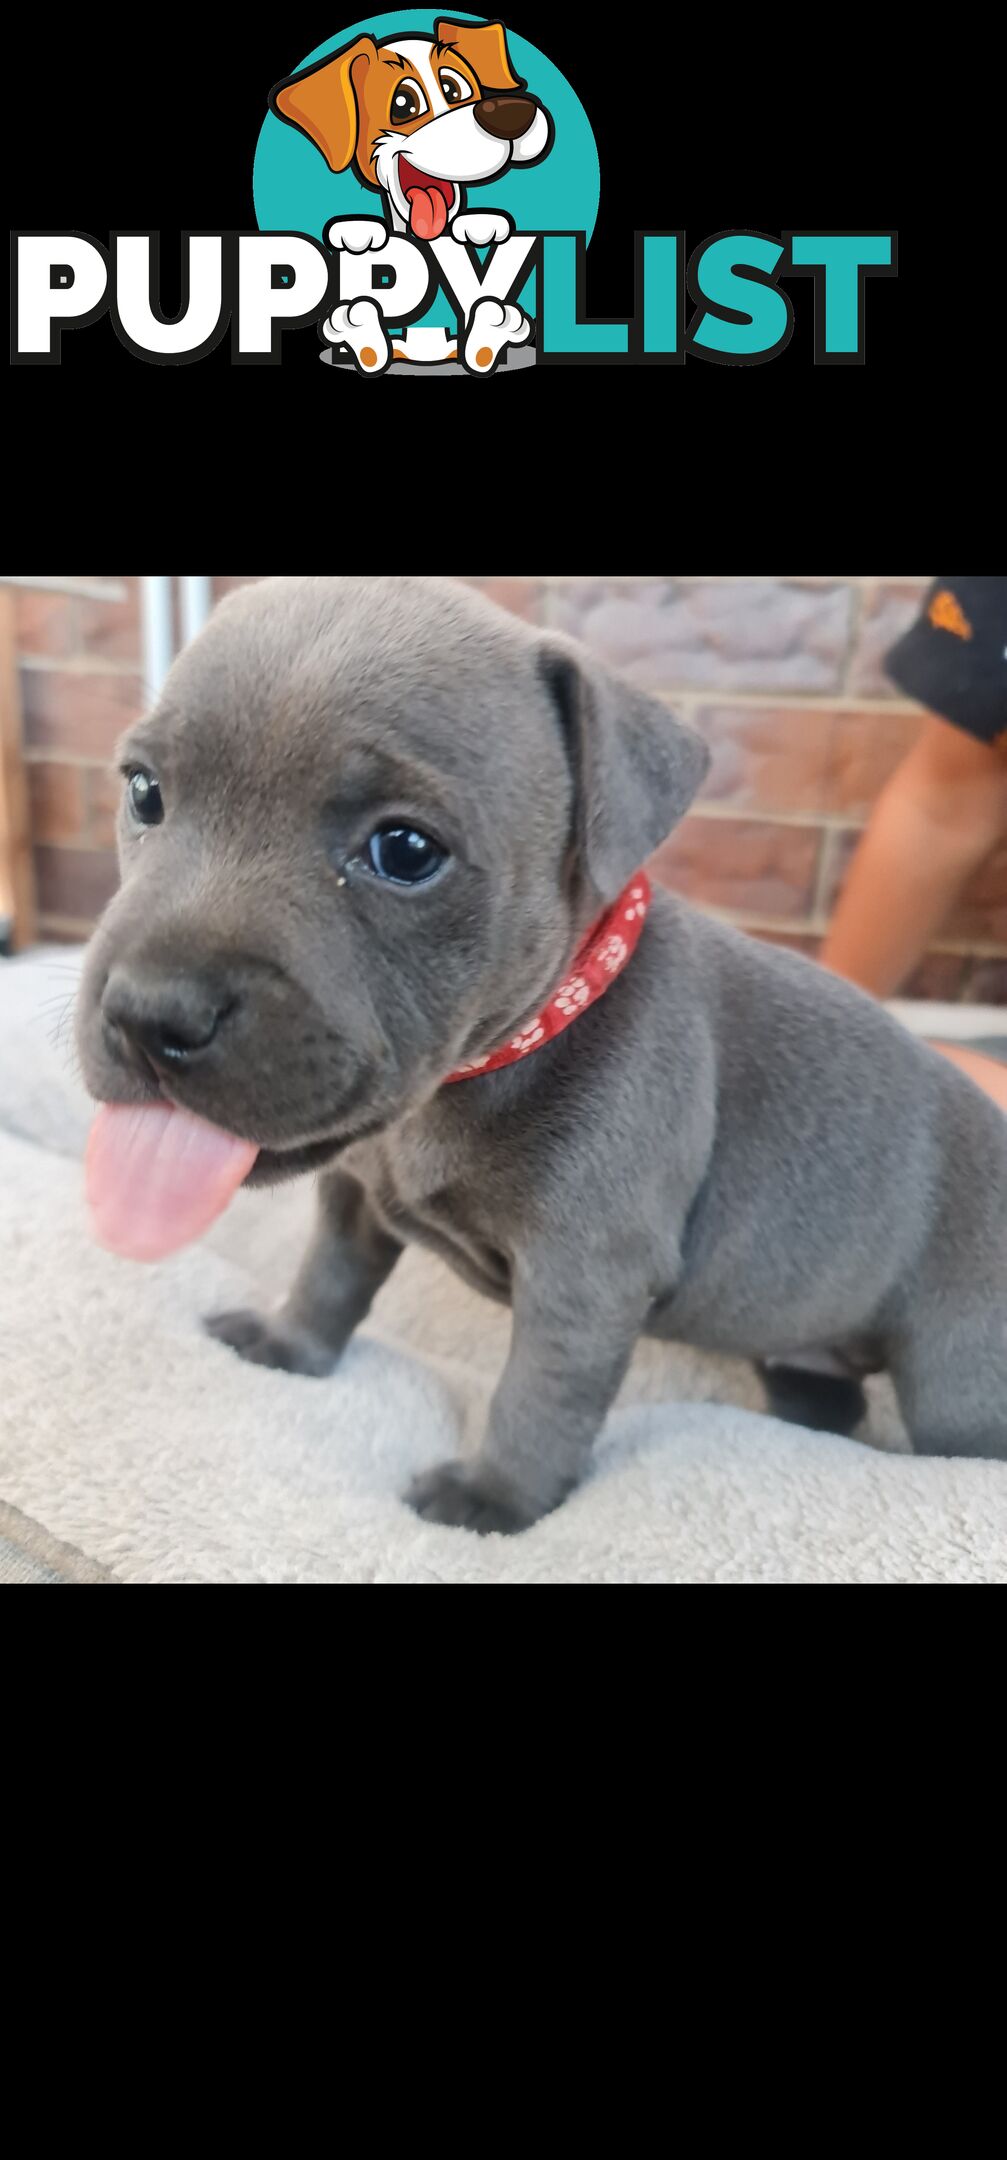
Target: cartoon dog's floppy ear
636,767
323,101
484,46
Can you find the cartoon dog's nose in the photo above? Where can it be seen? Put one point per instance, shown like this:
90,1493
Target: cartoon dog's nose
169,1020
507,116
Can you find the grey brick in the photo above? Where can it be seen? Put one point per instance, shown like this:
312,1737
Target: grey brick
886,614
679,633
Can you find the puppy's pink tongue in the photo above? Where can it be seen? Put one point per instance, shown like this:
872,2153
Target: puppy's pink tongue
156,1178
428,212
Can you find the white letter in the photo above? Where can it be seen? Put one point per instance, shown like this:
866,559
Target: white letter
500,275
259,303
411,282
201,311
39,302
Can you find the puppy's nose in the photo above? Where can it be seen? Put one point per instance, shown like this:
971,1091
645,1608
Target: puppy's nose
507,116
170,1020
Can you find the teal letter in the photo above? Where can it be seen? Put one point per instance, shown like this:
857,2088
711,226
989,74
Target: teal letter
561,331
841,255
766,311
660,292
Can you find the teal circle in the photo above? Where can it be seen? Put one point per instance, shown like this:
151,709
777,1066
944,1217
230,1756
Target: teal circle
294,191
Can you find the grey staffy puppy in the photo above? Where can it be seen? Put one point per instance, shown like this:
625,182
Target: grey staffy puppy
363,833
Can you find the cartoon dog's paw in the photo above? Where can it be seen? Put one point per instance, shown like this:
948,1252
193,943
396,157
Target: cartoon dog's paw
356,234
469,1497
482,227
358,324
268,1341
493,324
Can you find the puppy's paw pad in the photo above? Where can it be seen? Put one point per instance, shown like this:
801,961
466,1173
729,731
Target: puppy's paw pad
355,235
482,227
456,1494
260,1342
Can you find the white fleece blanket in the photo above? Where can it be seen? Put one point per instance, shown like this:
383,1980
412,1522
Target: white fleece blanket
161,1457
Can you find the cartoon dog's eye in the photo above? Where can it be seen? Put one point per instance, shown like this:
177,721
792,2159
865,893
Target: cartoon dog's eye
404,856
145,798
454,86
408,102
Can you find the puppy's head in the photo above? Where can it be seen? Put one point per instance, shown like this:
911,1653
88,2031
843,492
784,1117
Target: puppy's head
361,835
419,117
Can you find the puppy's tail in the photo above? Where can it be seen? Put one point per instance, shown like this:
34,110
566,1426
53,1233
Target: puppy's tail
825,1402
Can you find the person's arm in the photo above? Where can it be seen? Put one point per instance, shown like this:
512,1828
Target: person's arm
987,1072
941,814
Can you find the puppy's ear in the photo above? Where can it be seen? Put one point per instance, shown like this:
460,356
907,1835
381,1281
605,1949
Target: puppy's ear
324,101
484,46
635,766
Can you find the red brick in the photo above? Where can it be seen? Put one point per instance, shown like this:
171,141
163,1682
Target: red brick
768,757
939,975
45,623
104,797
221,585
804,757
866,749
74,882
85,712
839,850
981,915
111,629
885,614
55,802
986,982
736,863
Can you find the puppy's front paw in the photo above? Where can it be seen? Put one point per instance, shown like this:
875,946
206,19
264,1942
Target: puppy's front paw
482,227
355,234
263,1341
470,1497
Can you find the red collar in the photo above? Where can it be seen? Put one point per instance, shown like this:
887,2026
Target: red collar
599,958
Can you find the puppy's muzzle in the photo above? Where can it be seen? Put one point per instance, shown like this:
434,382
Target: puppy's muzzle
169,1022
506,116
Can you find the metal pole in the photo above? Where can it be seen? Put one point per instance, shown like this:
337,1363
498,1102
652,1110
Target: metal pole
158,633
196,603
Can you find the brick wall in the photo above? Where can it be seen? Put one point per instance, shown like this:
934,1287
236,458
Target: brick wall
783,676
80,666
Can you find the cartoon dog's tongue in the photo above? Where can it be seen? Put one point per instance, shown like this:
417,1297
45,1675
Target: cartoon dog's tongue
428,212
156,1178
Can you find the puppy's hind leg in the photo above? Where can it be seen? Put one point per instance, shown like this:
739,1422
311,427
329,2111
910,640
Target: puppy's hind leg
950,1374
358,324
492,328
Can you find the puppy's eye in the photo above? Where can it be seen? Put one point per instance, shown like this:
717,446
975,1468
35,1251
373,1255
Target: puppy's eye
408,102
455,90
145,798
404,856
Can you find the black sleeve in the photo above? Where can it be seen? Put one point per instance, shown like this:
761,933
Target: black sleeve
954,658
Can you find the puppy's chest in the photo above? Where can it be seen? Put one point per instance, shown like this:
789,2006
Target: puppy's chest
424,1195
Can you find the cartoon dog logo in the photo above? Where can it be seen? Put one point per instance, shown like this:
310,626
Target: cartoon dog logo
421,119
